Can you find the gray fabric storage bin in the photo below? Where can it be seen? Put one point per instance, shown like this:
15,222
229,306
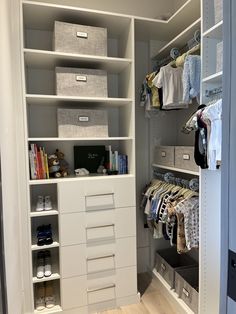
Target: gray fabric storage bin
168,260
80,39
82,123
186,286
81,82
165,155
184,158
218,8
219,56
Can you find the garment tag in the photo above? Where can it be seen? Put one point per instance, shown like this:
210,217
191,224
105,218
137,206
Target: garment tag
82,35
81,78
163,267
83,119
163,154
186,292
186,157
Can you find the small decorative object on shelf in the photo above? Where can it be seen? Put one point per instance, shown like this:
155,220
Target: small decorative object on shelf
44,265
58,166
44,235
44,296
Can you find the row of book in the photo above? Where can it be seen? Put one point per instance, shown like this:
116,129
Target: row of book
116,162
38,163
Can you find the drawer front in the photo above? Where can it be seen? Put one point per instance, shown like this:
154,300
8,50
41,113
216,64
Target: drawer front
86,290
164,155
79,228
85,259
96,194
184,158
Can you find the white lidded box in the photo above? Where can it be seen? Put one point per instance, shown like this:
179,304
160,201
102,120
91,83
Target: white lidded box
82,123
80,39
81,82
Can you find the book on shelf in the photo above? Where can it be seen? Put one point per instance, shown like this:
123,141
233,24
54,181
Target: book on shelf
38,163
115,161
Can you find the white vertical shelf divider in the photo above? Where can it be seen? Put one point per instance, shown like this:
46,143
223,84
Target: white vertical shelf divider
210,181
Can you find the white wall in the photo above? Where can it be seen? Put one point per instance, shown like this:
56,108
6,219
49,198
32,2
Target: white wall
147,8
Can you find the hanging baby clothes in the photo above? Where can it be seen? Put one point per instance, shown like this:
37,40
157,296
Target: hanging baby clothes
170,79
191,78
213,113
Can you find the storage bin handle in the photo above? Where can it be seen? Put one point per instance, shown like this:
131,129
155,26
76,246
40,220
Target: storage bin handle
82,35
101,288
101,226
163,154
100,257
81,78
186,157
185,292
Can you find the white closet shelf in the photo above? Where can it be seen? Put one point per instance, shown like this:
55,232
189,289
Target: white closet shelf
151,29
215,32
81,139
214,78
36,99
35,247
74,178
44,213
39,15
176,169
50,59
180,40
170,294
55,309
54,276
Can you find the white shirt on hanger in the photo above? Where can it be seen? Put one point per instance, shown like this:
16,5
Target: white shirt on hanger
170,79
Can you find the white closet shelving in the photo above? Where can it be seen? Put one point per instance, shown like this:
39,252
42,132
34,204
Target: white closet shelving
41,104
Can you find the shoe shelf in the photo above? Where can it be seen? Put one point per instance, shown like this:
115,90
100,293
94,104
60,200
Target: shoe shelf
54,276
35,247
55,309
44,213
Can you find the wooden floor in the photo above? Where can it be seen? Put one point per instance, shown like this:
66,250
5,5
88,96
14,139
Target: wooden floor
152,301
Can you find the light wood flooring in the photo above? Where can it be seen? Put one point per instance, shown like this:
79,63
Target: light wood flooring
152,301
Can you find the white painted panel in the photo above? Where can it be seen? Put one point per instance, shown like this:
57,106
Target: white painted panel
73,292
72,229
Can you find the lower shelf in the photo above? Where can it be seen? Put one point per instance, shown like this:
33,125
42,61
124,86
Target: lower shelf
196,173
171,296
54,276
55,309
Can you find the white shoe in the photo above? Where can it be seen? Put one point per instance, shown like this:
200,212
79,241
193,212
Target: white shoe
49,295
47,203
40,204
47,264
50,302
40,265
40,297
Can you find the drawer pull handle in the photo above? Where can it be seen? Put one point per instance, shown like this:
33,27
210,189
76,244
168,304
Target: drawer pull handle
186,157
82,35
186,292
163,267
101,226
100,257
102,288
163,154
103,194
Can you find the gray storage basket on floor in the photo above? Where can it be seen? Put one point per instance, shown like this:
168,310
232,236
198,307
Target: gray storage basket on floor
80,39
81,82
82,123
186,286
168,260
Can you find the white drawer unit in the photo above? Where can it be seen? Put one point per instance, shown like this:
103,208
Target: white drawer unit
85,227
96,194
77,260
86,290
